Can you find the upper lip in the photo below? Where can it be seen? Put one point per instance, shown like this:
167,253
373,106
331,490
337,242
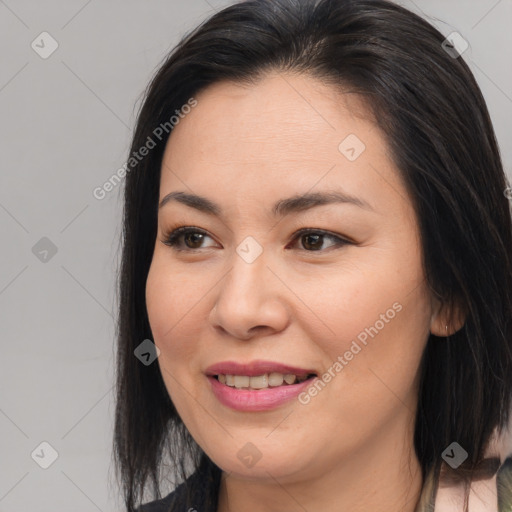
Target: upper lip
255,368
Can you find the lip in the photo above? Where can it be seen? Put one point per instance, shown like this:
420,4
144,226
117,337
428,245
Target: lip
256,399
255,368
253,400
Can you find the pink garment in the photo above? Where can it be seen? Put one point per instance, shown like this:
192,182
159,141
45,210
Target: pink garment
484,493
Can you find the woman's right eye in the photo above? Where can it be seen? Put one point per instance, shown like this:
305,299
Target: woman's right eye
190,234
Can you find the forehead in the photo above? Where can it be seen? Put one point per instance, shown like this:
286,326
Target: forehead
286,131
278,110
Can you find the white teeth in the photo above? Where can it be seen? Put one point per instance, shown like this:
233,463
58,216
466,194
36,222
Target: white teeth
241,381
259,382
266,380
275,379
289,378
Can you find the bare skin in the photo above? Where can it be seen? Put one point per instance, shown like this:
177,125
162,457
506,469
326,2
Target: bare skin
302,301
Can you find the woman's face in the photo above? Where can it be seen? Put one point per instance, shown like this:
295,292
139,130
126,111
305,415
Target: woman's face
246,287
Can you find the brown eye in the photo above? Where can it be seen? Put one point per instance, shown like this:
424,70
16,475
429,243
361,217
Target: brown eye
193,237
193,240
312,240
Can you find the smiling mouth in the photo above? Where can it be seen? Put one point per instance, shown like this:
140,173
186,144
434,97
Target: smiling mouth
264,381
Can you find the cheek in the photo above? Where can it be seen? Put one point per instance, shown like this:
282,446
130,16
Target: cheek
374,324
173,305
361,312
381,303
173,301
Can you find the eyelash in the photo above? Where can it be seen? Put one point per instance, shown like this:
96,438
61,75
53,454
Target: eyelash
171,238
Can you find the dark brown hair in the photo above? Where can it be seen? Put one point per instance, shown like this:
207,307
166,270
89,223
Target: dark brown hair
441,139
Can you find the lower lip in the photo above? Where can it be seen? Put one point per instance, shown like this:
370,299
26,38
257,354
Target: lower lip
257,399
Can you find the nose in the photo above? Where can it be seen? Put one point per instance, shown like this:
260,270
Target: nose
251,300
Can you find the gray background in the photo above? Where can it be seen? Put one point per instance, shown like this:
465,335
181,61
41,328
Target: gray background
65,128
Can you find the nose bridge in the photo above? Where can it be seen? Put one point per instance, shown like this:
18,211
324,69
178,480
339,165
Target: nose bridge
249,293
248,278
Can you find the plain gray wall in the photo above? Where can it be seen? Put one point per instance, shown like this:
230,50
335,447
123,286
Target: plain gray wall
65,128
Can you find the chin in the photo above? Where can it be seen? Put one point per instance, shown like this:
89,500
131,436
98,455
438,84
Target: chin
282,464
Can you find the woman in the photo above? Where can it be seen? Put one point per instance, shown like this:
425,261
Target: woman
317,241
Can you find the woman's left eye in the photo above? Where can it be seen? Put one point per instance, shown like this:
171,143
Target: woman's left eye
317,236
314,239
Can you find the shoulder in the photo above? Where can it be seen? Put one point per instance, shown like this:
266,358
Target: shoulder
198,492
489,491
177,498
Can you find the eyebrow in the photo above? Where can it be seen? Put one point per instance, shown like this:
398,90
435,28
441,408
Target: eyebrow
282,207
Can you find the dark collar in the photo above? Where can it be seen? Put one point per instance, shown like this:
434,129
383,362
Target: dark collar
199,492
